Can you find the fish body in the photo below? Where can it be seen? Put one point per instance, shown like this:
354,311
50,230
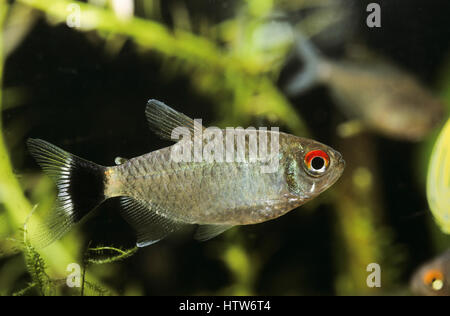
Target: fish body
235,193
433,278
438,179
383,97
161,194
386,99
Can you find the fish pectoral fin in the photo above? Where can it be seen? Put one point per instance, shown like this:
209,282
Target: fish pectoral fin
163,120
206,232
150,226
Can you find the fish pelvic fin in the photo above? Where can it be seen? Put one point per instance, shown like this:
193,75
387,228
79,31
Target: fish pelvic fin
147,221
163,120
80,185
206,232
312,61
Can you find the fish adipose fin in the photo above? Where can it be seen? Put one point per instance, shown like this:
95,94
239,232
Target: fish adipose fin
120,161
163,120
80,186
149,226
206,232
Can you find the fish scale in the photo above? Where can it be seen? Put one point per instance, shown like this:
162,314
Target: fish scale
207,193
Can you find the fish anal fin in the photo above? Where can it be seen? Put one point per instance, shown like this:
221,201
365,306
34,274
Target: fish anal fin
147,221
163,120
206,232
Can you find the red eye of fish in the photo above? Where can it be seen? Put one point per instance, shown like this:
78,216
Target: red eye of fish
316,162
434,278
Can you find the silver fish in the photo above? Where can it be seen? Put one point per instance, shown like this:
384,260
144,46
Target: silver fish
160,195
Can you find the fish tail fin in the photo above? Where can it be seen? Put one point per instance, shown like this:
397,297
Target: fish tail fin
312,60
81,187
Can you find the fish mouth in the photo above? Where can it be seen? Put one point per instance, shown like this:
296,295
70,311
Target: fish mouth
341,163
340,160
339,167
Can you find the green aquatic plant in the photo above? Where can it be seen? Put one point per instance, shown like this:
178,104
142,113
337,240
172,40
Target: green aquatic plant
43,285
363,235
102,255
108,254
243,76
15,207
242,265
36,267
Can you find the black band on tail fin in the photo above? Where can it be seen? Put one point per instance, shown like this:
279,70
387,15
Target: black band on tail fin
80,183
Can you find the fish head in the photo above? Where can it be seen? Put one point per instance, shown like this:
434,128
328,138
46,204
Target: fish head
316,167
432,279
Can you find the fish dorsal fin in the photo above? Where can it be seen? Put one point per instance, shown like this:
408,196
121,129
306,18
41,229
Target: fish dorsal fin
163,120
206,232
150,226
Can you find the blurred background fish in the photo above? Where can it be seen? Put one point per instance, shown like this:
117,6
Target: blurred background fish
376,94
433,278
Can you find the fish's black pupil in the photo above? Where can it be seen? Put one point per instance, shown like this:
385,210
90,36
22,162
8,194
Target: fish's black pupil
317,163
